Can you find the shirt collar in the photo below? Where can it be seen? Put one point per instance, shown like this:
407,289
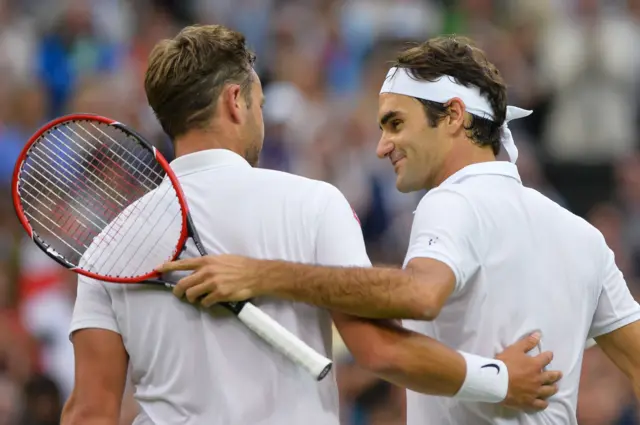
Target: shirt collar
496,168
203,160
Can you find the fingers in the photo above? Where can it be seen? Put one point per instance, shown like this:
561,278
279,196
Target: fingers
539,404
208,294
544,359
184,264
186,283
551,377
547,391
210,300
529,342
194,293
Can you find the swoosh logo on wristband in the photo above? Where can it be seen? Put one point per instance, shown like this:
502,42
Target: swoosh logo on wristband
492,365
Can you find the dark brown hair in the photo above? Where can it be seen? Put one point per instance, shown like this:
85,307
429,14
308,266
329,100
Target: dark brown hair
186,75
459,58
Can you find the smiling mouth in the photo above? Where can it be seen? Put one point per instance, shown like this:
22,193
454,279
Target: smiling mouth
397,159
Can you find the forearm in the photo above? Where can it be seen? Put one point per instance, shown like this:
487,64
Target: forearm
366,292
88,418
420,363
75,413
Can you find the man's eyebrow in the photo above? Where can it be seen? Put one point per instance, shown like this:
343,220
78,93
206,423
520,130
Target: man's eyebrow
388,116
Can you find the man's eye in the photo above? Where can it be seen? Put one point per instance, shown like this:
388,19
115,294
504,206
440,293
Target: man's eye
395,124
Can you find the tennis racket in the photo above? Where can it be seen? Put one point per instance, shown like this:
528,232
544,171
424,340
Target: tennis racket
104,203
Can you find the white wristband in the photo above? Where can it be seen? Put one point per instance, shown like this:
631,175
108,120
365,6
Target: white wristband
487,380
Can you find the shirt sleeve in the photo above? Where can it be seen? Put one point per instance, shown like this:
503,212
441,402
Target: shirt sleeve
616,306
445,228
339,239
93,308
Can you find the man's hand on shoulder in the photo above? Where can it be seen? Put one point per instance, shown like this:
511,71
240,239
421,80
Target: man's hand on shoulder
218,278
529,384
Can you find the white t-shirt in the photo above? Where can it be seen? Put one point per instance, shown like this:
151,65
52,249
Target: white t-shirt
522,263
193,366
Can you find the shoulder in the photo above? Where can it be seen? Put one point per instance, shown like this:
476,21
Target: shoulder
303,187
284,177
575,225
448,200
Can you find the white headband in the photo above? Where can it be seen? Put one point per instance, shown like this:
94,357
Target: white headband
399,81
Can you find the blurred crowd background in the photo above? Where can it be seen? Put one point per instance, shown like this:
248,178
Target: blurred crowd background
575,62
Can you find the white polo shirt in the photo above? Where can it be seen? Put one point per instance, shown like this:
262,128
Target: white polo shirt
193,366
522,263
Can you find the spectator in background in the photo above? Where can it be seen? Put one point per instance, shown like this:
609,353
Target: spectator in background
628,197
10,403
607,218
46,300
42,402
69,51
18,39
25,112
590,75
532,174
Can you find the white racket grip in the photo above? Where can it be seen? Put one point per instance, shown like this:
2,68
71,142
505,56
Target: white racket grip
284,341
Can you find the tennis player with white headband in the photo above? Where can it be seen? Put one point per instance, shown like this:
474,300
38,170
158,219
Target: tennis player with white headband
490,262
445,88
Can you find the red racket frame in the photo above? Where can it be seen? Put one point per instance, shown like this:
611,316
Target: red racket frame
17,204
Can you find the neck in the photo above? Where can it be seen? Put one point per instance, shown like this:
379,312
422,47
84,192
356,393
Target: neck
201,140
457,161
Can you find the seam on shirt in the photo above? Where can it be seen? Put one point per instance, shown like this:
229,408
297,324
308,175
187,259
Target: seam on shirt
482,254
442,258
91,324
617,324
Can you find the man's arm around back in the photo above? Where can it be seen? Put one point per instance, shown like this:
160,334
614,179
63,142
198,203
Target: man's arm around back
403,357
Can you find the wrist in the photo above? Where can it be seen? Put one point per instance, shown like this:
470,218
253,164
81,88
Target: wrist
486,380
271,277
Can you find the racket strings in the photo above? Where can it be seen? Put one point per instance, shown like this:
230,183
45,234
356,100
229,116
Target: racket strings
69,191
111,204
158,177
38,193
111,155
146,242
100,199
96,167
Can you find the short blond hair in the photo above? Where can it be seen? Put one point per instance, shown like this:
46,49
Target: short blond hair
185,75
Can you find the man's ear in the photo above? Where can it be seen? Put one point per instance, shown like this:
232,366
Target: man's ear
231,97
455,115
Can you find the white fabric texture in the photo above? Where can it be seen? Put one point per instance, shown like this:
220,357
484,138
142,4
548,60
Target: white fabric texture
196,366
522,264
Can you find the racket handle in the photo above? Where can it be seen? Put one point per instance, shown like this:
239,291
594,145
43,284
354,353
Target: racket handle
284,341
